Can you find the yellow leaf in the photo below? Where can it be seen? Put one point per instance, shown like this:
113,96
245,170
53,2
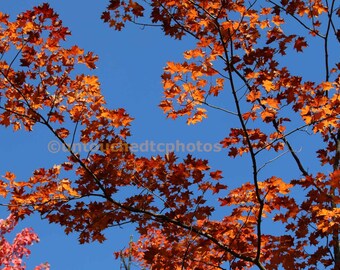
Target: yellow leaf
272,102
326,85
268,85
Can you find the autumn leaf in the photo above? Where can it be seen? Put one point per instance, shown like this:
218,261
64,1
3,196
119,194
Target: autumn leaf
197,117
216,175
201,165
253,95
300,44
268,85
335,179
233,152
326,86
9,176
137,9
268,115
166,106
89,59
105,16
277,20
62,133
67,166
273,103
56,117
114,4
3,189
249,115
218,187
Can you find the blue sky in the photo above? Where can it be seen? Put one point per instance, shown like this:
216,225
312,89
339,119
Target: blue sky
129,69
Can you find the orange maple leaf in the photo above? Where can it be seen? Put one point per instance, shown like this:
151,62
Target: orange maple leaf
268,85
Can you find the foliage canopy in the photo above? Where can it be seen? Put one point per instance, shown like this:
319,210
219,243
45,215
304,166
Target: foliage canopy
240,53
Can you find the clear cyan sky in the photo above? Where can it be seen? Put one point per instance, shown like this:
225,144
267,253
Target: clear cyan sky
129,70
